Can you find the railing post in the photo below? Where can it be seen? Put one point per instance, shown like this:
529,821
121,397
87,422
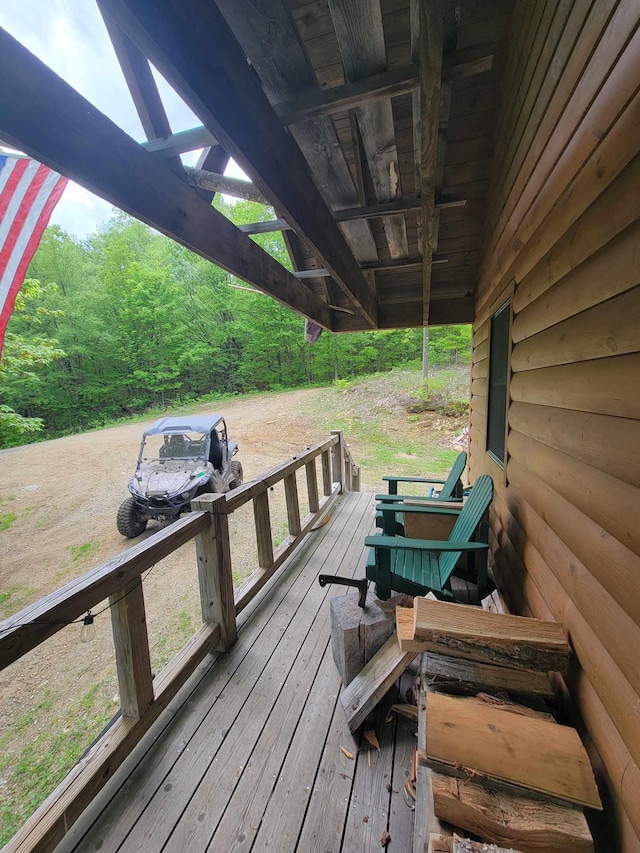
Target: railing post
293,504
312,486
263,529
215,577
327,477
338,459
129,625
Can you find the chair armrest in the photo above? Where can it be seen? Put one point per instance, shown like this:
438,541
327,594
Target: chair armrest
418,501
400,542
413,479
386,507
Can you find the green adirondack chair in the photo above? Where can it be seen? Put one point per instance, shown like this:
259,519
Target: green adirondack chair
451,489
418,566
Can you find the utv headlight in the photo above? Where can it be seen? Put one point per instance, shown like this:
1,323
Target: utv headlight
185,496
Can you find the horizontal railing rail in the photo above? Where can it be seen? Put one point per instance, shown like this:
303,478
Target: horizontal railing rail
143,696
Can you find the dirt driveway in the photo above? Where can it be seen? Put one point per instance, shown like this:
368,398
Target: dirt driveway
66,492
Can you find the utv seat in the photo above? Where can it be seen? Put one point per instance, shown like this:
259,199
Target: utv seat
215,451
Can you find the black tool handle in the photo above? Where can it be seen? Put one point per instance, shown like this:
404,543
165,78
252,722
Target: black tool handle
360,585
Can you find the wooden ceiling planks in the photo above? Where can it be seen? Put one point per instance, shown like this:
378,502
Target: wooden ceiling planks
215,80
358,25
319,64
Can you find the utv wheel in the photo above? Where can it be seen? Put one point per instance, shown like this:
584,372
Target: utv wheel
236,475
129,521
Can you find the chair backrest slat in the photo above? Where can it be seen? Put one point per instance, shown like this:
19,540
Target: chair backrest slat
467,522
457,469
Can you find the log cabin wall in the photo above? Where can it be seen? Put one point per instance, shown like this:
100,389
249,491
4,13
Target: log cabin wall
563,243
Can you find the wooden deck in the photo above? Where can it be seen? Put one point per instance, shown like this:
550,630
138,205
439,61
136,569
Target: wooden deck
248,756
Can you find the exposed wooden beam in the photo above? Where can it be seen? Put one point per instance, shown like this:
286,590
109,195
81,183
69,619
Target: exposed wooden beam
194,48
388,84
468,62
325,102
43,116
270,38
265,227
400,263
222,184
181,142
408,205
141,85
427,40
407,315
312,273
360,34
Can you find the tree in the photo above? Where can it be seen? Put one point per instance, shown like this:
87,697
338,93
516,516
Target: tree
26,350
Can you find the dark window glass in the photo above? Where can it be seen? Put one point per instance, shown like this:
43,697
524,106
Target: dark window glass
498,364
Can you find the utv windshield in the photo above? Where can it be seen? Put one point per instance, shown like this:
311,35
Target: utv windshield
160,448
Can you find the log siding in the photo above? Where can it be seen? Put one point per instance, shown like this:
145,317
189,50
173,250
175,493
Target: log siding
563,224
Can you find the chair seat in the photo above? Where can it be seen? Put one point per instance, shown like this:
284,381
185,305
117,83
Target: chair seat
417,569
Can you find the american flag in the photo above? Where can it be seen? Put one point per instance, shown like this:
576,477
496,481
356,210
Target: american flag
28,193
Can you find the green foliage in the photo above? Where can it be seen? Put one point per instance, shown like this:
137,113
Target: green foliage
129,321
7,519
446,393
78,552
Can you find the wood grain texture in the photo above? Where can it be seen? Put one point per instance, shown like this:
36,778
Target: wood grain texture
215,576
367,689
131,644
527,824
473,677
531,754
610,502
607,329
476,634
602,441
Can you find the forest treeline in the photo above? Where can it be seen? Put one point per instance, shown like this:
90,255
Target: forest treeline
128,320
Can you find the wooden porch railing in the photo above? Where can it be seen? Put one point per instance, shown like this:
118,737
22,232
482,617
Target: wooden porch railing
142,697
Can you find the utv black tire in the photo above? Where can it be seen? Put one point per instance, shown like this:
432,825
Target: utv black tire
236,474
129,521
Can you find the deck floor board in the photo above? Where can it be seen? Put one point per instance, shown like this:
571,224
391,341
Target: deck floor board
249,755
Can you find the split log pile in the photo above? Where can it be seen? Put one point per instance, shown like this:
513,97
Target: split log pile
494,762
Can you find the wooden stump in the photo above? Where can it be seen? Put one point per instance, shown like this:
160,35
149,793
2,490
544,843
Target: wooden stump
357,633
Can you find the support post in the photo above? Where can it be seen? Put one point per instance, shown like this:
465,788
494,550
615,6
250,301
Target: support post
293,504
312,486
129,625
338,459
215,577
327,475
263,530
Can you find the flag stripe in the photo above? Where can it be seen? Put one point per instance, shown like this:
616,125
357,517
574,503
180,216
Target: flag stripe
27,244
14,170
18,191
28,194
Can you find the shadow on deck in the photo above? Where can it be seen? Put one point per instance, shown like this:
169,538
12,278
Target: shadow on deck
248,755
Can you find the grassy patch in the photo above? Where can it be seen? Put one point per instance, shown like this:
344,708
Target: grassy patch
375,414
79,552
7,519
31,775
173,639
12,599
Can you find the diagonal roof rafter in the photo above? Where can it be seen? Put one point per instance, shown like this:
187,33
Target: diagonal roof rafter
45,117
215,80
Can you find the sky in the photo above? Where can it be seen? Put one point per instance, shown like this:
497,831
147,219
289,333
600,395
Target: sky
70,37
